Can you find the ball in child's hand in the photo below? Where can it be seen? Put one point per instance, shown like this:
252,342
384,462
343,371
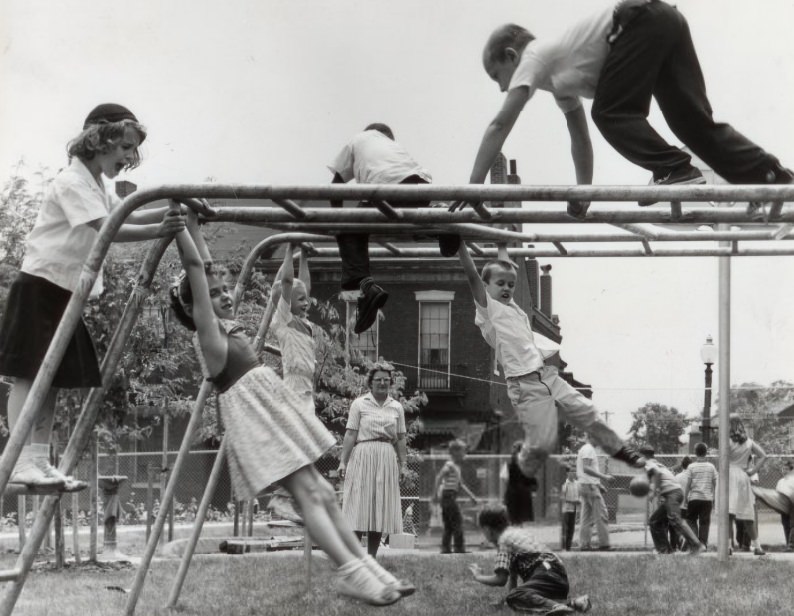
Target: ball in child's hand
639,485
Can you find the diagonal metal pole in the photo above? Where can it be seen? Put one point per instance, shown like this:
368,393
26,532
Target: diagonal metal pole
266,246
85,422
165,504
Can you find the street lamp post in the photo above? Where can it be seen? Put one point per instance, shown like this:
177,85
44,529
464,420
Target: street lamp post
708,353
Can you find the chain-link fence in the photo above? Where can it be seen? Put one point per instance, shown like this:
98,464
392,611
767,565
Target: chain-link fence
144,476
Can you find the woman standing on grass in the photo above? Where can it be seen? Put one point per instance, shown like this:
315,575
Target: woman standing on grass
741,502
374,445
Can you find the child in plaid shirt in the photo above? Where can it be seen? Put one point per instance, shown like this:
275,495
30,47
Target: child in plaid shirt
544,580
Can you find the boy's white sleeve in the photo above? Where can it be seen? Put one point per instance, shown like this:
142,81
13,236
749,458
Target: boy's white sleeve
343,163
546,347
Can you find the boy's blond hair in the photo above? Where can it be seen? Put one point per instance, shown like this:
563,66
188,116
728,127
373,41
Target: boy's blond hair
496,265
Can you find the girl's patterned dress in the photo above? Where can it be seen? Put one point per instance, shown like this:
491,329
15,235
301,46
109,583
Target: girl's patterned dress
268,436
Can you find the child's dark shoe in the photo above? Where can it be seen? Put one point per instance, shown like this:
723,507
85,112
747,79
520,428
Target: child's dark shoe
676,177
372,300
448,245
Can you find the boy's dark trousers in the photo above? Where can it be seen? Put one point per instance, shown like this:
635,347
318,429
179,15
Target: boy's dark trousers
667,515
354,247
568,527
545,589
698,514
453,522
653,56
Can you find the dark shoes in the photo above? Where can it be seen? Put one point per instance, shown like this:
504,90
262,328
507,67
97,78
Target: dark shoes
578,209
681,176
448,245
778,174
630,456
368,305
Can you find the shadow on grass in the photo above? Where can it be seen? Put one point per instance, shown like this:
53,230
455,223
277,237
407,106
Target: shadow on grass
274,584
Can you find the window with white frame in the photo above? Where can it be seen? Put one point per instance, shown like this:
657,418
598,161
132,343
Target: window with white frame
365,344
435,309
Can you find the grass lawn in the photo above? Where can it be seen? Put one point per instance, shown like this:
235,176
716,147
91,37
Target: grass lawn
636,584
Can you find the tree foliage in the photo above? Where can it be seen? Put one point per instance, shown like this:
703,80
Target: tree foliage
158,370
759,407
658,426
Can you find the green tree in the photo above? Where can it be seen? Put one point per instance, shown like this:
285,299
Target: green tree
659,426
759,407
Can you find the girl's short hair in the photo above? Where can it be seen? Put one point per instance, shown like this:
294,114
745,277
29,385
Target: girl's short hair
95,137
380,366
275,290
504,37
181,296
493,516
495,265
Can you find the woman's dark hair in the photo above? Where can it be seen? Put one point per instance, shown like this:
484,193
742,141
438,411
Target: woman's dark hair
380,366
493,516
181,296
685,462
737,434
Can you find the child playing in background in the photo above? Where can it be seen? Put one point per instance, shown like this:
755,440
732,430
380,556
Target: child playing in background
519,491
569,499
293,329
72,212
269,436
536,390
449,483
544,581
374,157
294,333
700,497
621,57
668,513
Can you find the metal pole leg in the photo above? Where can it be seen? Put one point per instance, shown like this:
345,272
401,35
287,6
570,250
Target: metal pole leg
201,515
157,529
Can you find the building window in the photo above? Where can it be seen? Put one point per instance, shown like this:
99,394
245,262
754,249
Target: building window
434,333
364,345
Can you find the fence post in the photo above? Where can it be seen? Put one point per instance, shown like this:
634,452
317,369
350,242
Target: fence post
76,528
149,499
22,514
93,513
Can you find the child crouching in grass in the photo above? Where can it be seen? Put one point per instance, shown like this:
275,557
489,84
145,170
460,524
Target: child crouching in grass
544,580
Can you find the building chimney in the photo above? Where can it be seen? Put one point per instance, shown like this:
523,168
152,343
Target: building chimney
125,188
545,290
533,273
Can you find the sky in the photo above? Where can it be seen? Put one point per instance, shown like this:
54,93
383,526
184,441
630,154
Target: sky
267,92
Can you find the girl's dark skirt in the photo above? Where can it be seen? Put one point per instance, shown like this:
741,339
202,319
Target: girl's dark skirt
31,316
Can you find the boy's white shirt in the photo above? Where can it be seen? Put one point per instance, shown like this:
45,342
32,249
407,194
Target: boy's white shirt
61,239
507,330
567,66
372,158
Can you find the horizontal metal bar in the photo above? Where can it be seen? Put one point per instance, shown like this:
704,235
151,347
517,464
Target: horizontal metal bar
295,210
723,193
471,231
390,212
9,575
773,250
545,213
